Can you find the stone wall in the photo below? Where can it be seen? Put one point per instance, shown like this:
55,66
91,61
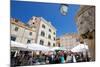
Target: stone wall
69,40
85,21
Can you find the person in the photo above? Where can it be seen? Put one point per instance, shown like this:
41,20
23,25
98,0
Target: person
62,59
73,58
88,58
47,60
30,61
50,59
24,60
77,56
33,60
65,55
69,58
57,59
12,59
17,61
43,59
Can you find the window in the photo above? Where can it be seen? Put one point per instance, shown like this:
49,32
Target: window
54,38
77,40
43,26
31,18
42,33
59,45
36,18
28,41
49,30
54,33
81,22
16,28
33,23
13,38
16,20
41,42
54,44
49,36
30,33
49,43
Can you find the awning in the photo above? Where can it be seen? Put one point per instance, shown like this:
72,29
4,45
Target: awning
38,47
57,48
18,46
80,48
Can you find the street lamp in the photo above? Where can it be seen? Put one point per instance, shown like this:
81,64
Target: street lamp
64,9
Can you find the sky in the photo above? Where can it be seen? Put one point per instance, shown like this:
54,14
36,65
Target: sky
49,11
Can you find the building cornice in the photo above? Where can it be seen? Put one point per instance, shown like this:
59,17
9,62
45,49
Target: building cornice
20,24
48,23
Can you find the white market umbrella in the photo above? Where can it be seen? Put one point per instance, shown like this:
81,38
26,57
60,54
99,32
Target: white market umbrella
57,48
62,48
18,46
80,48
37,47
54,48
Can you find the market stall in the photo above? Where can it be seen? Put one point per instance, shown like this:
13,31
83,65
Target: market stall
80,48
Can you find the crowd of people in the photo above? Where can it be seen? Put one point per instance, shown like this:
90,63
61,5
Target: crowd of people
25,58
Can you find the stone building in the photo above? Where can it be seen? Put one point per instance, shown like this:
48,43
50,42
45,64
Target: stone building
68,40
46,32
37,30
21,32
85,21
58,44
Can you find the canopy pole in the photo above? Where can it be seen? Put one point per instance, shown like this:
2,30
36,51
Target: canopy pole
16,53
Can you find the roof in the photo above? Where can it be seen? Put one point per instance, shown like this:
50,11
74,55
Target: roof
21,24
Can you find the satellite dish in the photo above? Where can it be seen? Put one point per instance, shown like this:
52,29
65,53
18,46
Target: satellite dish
64,9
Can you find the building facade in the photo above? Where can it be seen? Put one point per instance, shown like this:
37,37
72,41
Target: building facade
58,43
37,30
85,21
20,32
68,40
46,33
